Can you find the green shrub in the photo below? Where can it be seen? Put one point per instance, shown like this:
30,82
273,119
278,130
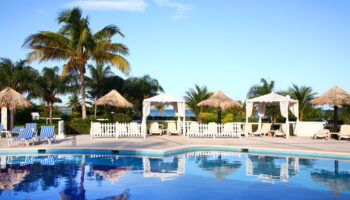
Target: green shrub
209,117
23,116
78,126
122,118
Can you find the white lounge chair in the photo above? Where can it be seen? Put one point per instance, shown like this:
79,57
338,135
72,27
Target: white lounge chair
344,132
323,133
265,129
249,128
171,129
212,130
227,130
134,129
154,129
193,130
281,131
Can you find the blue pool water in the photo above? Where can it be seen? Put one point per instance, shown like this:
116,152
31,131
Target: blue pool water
192,175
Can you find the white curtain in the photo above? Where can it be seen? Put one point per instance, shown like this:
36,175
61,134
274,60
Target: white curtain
146,109
284,112
295,110
261,113
248,113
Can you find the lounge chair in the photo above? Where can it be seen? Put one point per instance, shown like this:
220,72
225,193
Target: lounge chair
2,130
171,129
344,132
227,130
48,133
154,129
281,131
26,134
193,129
16,129
134,129
212,129
265,129
32,126
323,133
249,128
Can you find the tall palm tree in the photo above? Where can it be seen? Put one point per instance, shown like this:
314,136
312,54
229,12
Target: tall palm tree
76,44
160,108
196,95
304,95
19,76
259,90
52,85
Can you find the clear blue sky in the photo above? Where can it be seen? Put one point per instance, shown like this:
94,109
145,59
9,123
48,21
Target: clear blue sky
226,45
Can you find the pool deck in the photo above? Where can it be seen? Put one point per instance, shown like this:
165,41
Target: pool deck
167,143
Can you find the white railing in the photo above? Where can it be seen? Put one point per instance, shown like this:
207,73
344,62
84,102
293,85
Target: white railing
213,130
116,130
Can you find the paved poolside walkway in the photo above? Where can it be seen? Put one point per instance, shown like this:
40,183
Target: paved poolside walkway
166,143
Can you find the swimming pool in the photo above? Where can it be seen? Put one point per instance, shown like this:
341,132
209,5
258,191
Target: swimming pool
190,175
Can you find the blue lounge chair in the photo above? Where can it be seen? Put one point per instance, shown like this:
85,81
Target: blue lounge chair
15,129
1,129
26,134
47,132
32,126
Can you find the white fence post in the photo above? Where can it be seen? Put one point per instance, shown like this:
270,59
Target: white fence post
60,129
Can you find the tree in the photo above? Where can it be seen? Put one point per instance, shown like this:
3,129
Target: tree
160,108
304,95
19,76
259,90
141,88
97,83
74,101
196,95
345,113
76,44
51,85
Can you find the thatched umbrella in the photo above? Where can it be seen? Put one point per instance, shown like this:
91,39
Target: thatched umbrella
12,100
334,97
220,101
113,98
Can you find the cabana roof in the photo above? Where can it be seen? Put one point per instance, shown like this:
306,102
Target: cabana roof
271,98
220,100
12,99
113,98
162,99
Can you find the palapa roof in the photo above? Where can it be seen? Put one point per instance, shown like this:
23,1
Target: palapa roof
220,100
113,98
271,98
12,99
334,96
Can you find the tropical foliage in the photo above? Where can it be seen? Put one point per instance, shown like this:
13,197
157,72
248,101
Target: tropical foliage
304,95
195,95
76,44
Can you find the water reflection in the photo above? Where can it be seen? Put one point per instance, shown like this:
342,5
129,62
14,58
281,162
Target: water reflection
79,176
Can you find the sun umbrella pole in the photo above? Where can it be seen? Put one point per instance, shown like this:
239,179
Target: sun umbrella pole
335,118
219,115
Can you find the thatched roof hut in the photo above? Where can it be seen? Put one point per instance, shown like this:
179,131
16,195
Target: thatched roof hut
334,97
220,101
113,98
11,99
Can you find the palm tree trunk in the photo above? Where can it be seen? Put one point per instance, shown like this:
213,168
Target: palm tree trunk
82,91
95,113
50,111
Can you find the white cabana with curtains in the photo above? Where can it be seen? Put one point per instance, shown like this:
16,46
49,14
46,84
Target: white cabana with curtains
285,103
165,100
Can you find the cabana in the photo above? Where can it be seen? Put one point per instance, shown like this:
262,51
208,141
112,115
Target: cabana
261,102
164,100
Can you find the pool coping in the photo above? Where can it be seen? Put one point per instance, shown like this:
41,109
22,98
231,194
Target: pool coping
169,151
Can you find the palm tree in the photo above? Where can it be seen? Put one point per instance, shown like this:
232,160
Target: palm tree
304,95
259,90
141,88
196,95
97,83
51,85
74,101
76,44
160,108
19,76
